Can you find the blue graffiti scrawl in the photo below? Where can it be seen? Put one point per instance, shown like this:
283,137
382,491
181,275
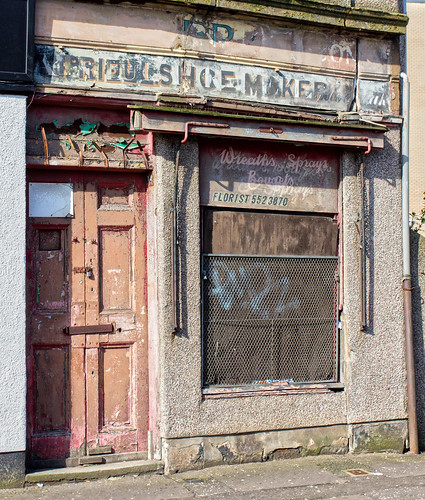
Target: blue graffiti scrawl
252,288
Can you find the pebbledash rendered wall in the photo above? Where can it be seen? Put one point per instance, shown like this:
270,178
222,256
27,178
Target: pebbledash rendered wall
369,415
12,290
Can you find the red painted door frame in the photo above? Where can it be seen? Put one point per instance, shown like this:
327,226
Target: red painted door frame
88,388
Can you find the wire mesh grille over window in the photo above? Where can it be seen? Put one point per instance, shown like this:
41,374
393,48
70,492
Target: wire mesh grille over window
269,319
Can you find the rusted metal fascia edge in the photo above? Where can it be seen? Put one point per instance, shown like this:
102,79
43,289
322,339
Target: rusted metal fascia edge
407,280
201,124
300,133
365,125
367,139
313,13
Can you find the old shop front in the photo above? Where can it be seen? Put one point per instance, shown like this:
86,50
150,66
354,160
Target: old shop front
208,193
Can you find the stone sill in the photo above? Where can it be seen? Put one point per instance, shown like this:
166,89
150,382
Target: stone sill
311,12
220,392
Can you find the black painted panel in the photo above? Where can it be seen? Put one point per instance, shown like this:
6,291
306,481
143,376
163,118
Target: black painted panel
16,40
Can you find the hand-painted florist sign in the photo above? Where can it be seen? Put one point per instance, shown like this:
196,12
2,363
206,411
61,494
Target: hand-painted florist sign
109,70
271,178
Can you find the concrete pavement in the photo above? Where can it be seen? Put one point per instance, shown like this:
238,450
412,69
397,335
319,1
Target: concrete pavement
386,476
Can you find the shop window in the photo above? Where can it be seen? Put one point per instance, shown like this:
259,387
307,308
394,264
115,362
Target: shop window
269,298
270,264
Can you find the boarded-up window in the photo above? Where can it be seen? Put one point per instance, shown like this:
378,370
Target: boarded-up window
269,297
269,262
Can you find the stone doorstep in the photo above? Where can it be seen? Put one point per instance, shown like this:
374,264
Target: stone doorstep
96,471
94,458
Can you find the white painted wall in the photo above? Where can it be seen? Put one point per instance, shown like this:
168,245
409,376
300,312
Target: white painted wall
12,273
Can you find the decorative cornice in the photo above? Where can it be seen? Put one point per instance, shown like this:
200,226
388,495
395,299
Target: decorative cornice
311,12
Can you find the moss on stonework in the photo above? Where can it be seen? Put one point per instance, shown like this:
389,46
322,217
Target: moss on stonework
324,450
214,114
380,444
379,438
314,12
12,482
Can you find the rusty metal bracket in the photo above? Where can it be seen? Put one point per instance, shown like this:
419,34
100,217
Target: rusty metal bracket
201,124
105,158
271,130
142,154
124,152
46,147
80,153
367,139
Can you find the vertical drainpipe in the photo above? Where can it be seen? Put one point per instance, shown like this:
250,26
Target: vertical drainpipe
407,279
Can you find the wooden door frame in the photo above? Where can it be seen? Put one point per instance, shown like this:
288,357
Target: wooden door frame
52,175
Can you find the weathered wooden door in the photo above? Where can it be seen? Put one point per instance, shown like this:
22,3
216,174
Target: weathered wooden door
87,322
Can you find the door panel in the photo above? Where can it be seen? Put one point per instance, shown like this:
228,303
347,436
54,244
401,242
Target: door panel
51,388
51,260
115,267
85,271
116,385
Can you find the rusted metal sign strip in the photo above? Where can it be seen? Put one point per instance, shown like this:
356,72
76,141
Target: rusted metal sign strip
157,121
111,70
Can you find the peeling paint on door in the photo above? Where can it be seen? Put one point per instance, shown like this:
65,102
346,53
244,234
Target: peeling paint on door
84,384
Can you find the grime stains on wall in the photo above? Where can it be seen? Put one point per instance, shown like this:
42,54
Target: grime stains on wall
85,68
116,71
214,55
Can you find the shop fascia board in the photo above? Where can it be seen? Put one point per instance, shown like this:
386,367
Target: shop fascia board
363,136
311,12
